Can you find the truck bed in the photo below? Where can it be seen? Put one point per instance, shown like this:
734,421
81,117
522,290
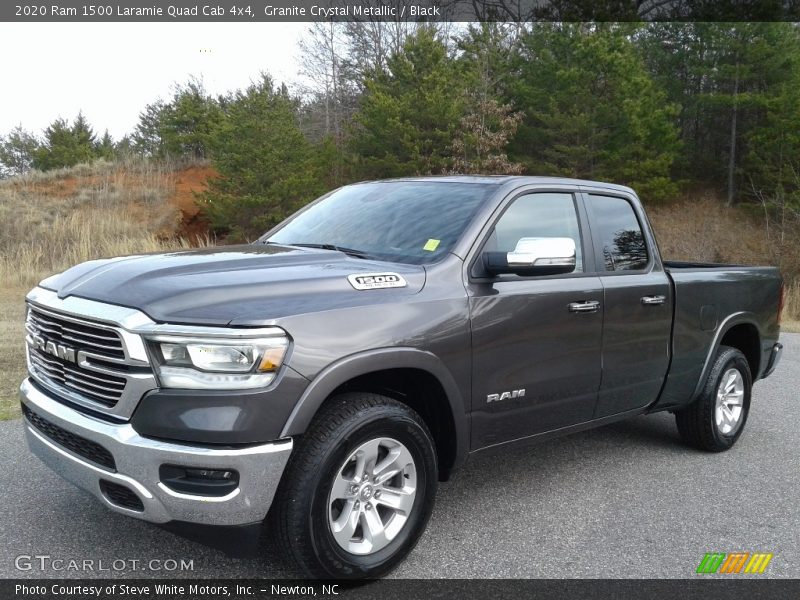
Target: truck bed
710,299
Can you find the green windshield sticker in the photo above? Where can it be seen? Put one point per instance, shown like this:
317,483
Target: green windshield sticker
431,245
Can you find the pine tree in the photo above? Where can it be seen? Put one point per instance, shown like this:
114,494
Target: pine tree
771,165
181,127
66,145
725,77
267,167
146,138
106,148
17,152
409,116
188,121
592,109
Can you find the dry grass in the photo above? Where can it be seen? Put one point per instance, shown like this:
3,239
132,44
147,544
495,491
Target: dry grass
790,326
57,219
12,350
705,230
791,311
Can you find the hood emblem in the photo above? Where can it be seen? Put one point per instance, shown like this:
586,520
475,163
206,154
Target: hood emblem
376,281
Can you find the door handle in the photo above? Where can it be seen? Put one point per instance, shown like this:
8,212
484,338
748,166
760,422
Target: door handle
653,300
589,306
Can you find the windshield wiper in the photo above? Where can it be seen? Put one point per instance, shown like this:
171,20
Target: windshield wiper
348,251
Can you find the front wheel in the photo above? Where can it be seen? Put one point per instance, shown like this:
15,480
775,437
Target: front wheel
358,490
716,419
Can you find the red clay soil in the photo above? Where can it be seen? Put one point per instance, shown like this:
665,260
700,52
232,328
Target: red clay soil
188,182
56,188
193,225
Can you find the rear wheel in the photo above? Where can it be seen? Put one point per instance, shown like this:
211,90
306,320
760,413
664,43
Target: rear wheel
716,419
358,490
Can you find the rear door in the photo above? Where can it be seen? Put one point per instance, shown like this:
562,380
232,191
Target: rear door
536,358
637,298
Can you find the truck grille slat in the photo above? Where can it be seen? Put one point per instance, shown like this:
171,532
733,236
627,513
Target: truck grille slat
89,337
90,392
46,329
91,451
54,363
84,342
120,384
97,385
51,370
77,379
60,368
108,338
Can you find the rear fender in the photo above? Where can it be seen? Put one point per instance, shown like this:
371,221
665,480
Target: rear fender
740,318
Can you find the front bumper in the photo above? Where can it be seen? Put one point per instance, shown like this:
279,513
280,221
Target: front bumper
137,461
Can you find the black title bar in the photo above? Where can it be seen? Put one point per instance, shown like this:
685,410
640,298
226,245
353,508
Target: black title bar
398,10
699,588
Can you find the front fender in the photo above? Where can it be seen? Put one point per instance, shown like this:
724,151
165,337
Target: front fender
363,363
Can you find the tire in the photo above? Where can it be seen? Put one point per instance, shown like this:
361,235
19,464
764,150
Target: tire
714,425
319,493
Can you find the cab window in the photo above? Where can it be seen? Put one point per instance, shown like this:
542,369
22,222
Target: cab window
621,238
538,215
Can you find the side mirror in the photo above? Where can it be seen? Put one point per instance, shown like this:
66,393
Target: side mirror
534,256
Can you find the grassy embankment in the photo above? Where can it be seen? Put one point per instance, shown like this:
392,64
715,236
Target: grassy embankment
705,230
53,220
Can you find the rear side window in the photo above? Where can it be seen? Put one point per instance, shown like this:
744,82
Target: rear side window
620,234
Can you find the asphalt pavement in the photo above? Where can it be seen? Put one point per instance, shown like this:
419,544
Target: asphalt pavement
626,500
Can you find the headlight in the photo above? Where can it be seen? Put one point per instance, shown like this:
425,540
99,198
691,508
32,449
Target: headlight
217,363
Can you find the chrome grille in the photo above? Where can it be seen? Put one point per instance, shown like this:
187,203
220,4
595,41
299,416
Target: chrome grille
88,353
103,388
98,348
77,334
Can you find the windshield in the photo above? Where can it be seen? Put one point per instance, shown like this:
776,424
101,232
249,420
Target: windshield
414,222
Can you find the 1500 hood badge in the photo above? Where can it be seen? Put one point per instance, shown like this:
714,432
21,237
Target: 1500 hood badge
376,281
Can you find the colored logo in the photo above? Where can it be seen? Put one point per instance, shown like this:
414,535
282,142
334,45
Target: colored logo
735,562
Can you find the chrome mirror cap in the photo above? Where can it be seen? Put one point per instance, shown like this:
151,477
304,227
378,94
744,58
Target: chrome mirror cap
543,252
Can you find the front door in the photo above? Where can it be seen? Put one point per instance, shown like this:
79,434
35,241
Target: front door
536,341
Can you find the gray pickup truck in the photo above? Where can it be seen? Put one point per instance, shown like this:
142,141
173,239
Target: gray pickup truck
326,377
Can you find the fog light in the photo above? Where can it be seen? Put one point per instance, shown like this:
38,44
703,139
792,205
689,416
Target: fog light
209,474
199,481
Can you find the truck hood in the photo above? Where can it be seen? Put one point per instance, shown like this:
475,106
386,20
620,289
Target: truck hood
232,285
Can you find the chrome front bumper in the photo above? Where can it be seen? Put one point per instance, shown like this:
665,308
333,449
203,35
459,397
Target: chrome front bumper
138,460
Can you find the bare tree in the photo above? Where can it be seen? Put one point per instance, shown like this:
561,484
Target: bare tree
324,87
370,43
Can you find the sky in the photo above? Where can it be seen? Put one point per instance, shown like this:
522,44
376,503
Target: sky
112,70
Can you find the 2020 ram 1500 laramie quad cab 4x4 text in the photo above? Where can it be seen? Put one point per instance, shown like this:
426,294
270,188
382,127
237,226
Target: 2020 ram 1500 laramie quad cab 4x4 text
324,378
